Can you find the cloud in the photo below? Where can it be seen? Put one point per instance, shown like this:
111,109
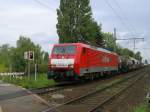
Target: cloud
29,18
38,23
45,39
135,16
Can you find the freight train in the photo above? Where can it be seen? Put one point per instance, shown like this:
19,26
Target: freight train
78,61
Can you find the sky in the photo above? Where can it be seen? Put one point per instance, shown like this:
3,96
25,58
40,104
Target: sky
37,20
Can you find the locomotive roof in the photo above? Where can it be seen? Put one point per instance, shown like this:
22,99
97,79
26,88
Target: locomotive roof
102,49
88,46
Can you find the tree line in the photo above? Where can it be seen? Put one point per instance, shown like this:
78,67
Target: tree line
12,58
76,24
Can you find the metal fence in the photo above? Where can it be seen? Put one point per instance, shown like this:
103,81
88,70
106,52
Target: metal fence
13,74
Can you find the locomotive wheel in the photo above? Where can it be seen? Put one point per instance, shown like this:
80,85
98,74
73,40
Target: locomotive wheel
82,79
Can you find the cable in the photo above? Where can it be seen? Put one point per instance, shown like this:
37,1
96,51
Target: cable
119,17
121,20
42,4
125,17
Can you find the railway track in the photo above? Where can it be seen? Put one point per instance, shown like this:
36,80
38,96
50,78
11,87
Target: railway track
55,88
109,99
45,90
64,86
94,100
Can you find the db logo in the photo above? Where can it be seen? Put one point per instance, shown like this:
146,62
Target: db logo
106,59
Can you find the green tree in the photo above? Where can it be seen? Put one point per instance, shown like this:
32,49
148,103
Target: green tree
12,59
119,50
109,41
138,56
25,44
75,22
5,57
46,57
127,52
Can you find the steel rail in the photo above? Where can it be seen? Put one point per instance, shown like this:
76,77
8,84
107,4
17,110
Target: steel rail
100,90
115,95
92,93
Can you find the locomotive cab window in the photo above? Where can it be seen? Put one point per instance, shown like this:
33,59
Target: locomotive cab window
68,49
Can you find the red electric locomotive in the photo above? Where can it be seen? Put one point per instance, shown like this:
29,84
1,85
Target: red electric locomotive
76,61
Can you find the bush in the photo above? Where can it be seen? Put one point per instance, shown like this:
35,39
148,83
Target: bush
29,83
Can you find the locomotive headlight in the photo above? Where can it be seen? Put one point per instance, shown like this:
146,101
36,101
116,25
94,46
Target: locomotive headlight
70,65
53,65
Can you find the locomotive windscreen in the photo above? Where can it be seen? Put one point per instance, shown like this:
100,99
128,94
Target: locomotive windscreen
68,49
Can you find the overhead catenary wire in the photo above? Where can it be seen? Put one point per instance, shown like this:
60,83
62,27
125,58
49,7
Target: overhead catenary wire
43,4
119,17
125,17
128,27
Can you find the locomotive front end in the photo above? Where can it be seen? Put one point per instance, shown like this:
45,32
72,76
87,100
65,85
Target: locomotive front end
62,62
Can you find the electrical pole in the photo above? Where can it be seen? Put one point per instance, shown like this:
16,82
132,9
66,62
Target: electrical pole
35,72
134,40
115,37
134,44
28,69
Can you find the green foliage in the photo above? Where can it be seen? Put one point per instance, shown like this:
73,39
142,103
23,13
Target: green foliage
3,68
142,108
110,42
12,59
41,81
138,56
5,58
75,23
111,45
24,44
127,52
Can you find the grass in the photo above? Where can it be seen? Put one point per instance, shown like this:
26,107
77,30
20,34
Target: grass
142,108
29,83
3,68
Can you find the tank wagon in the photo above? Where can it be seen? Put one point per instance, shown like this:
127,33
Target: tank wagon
128,63
78,61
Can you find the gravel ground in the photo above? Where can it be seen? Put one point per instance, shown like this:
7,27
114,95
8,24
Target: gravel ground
132,97
86,104
76,91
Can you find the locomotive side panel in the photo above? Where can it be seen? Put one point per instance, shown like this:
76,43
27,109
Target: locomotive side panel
97,61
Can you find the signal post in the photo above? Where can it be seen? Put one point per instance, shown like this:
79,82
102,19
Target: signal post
29,56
